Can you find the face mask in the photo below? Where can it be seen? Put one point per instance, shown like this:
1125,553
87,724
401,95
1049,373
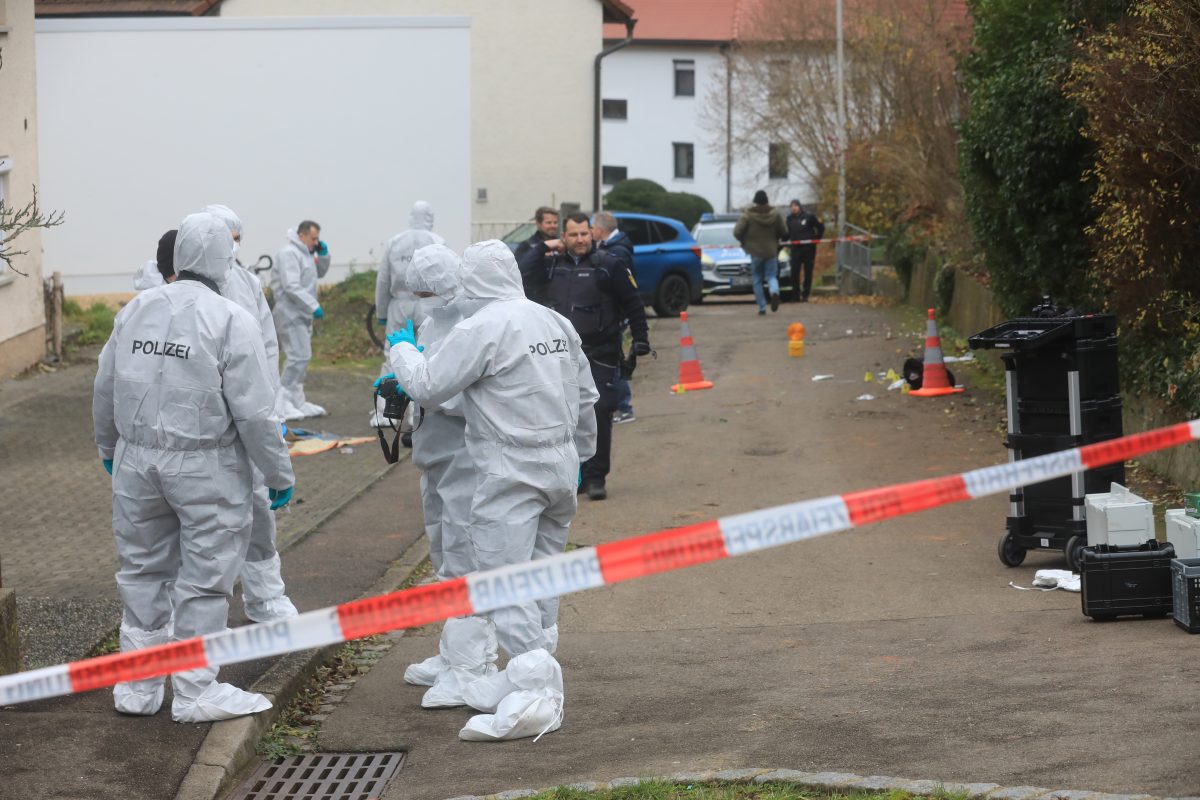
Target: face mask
237,246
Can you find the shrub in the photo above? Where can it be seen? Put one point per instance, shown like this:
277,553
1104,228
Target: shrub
1025,166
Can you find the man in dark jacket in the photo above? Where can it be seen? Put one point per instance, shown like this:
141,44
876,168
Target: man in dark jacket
759,231
597,294
532,279
614,241
803,225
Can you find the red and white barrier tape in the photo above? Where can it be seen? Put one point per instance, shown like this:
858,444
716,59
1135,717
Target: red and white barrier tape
856,238
578,570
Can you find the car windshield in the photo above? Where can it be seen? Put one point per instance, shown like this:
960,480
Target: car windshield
716,235
519,233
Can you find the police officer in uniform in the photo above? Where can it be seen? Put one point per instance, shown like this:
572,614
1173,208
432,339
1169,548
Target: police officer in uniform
596,292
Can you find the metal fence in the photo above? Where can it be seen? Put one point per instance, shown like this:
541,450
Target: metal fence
855,256
481,231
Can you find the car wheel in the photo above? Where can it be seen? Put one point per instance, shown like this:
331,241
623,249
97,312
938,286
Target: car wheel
672,296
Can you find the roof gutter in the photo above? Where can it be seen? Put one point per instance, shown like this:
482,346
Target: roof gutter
629,23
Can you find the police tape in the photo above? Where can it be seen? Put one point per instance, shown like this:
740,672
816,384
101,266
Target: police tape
860,237
578,570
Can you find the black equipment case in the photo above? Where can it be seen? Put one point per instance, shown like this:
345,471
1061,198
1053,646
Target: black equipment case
1063,392
1119,581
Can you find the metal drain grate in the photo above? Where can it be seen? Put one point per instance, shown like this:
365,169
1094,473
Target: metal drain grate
322,776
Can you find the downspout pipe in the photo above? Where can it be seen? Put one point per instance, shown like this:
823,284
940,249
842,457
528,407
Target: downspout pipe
629,23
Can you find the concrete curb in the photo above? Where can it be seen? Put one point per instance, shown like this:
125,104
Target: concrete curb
836,782
230,745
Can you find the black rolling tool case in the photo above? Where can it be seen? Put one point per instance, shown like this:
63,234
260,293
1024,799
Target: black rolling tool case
1118,581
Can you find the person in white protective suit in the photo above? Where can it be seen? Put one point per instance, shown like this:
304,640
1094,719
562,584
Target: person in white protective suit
467,649
155,272
263,590
303,260
395,302
528,400
182,406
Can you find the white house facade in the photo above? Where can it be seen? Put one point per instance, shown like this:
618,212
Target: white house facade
663,104
22,309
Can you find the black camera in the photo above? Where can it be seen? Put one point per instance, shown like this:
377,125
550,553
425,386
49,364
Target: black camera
395,401
1048,308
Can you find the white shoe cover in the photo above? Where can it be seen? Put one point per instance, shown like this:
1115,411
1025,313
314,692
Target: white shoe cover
262,591
551,638
312,410
535,671
523,713
200,698
468,647
143,697
426,672
484,694
288,411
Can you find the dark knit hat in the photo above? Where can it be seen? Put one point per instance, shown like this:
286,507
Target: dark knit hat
166,254
760,198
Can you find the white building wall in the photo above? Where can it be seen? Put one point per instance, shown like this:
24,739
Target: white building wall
644,75
22,311
144,121
531,95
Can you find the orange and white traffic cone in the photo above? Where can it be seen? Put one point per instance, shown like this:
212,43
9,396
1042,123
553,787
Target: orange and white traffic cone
691,377
935,382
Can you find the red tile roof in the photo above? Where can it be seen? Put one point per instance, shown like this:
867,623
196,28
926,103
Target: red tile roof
680,21
113,8
732,20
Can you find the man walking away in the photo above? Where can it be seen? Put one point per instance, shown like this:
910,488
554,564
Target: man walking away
759,231
802,225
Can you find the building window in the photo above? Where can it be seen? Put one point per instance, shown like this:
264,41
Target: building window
685,78
613,175
685,162
614,109
777,160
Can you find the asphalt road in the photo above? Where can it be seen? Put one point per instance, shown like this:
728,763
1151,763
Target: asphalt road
896,649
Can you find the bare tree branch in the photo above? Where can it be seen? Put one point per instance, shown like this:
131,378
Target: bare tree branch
14,222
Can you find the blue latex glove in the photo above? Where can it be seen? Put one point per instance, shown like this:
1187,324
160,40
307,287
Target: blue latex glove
107,462
322,248
283,429
580,476
382,378
319,313
279,497
405,334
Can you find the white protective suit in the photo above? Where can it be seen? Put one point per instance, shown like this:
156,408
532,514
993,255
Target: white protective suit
148,277
183,406
447,484
528,400
394,299
294,286
262,580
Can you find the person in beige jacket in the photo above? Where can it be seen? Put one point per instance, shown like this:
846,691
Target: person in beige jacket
759,231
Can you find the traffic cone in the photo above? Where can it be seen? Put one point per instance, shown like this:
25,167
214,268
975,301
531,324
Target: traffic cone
934,381
691,377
